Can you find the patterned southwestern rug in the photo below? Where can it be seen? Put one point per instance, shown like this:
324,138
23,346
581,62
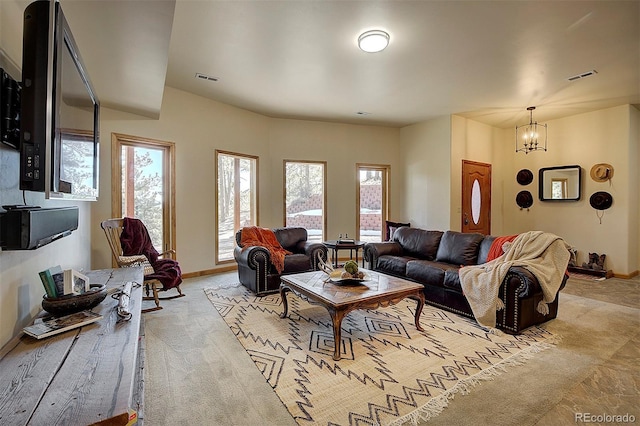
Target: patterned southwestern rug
390,373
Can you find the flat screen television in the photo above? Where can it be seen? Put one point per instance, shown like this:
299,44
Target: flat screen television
59,132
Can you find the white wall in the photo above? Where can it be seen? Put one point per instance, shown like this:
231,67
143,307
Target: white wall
474,141
425,151
606,136
199,126
21,290
587,139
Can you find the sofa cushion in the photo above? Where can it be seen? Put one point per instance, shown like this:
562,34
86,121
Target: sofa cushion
452,280
296,263
425,271
458,248
418,243
485,246
394,265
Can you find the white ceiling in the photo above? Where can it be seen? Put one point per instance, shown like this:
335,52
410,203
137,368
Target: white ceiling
486,60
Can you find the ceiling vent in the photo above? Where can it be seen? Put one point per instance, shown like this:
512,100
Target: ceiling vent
582,75
206,77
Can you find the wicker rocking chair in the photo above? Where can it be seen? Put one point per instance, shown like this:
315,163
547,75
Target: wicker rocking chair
113,230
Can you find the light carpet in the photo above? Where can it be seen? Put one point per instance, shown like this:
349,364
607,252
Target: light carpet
390,373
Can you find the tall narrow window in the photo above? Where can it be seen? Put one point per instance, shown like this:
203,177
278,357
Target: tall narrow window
305,197
237,199
371,202
145,182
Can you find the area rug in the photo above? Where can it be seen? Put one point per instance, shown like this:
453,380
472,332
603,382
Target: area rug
390,373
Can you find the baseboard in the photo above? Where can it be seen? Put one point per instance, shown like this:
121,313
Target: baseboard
210,271
627,276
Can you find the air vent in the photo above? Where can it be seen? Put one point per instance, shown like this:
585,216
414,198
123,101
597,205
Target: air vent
206,77
583,75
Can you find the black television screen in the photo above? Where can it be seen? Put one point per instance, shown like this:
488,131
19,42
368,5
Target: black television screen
59,111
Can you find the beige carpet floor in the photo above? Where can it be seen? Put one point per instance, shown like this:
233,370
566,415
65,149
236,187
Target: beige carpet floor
197,373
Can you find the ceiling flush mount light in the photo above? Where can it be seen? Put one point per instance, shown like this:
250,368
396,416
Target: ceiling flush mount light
532,136
373,41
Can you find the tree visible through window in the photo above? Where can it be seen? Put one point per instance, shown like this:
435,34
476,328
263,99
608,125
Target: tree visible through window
305,197
237,199
144,179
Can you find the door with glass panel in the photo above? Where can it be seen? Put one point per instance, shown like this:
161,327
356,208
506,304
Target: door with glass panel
372,204
305,197
143,186
236,199
476,197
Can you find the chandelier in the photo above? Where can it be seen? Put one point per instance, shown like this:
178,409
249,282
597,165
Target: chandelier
532,136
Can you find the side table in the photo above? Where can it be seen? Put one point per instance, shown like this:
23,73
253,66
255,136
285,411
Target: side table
336,245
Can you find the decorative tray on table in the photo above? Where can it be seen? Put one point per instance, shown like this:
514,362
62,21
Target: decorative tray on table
335,277
340,276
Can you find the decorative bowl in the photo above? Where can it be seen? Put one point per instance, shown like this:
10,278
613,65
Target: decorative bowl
72,303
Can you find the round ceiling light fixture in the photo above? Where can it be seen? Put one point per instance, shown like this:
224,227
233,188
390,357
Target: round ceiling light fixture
373,41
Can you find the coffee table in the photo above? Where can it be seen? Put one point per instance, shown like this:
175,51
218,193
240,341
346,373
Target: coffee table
377,291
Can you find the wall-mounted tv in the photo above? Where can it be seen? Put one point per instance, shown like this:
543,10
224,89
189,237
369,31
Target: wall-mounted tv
59,109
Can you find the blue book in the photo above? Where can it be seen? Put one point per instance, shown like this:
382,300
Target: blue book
47,282
58,279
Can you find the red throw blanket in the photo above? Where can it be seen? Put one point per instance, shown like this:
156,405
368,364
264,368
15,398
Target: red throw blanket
495,250
264,237
135,240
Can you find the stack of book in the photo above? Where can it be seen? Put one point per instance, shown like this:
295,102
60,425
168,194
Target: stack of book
58,283
49,326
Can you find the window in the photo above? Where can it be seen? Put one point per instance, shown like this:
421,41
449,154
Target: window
305,197
237,199
145,180
559,189
371,203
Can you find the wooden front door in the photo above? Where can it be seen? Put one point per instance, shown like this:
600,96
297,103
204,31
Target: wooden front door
476,197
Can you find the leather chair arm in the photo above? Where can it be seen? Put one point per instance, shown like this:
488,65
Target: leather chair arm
253,257
372,251
315,251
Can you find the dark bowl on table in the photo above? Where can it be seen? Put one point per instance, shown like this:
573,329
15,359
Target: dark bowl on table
72,303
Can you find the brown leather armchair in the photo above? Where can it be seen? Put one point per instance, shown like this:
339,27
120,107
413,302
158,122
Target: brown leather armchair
255,269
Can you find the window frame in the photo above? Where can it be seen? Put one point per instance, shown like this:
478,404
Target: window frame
386,172
324,191
255,198
118,141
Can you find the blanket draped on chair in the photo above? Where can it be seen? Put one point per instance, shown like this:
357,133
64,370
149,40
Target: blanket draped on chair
255,236
543,254
135,240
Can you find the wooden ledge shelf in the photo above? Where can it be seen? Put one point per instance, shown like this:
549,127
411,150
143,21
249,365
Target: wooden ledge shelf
587,271
89,375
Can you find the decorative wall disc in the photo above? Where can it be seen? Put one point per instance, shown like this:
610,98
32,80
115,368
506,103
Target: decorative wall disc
601,200
524,177
524,199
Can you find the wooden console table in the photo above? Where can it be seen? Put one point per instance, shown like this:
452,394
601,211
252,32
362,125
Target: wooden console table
89,375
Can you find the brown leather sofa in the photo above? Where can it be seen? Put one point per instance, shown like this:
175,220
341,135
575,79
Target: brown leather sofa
255,269
433,259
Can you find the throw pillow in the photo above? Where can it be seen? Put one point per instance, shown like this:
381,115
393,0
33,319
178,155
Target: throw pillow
458,248
391,228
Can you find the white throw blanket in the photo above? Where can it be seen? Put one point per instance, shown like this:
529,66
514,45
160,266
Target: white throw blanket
545,255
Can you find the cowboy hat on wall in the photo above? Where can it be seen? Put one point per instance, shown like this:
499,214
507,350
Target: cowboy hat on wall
602,172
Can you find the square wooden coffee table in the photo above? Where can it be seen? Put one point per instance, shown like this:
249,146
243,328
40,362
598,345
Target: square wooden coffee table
377,291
